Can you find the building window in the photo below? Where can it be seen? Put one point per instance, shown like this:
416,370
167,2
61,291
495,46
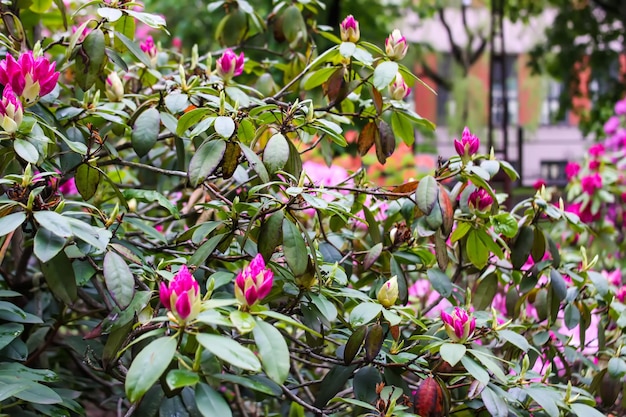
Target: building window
551,103
444,103
510,81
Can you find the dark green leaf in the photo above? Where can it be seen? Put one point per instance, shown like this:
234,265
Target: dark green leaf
148,366
271,234
205,160
365,382
210,403
440,282
255,163
87,179
273,351
294,247
332,383
146,131
119,279
178,378
60,278
230,351
486,290
11,222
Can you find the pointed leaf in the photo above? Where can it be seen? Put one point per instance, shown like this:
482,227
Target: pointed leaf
146,131
206,160
11,222
230,351
452,352
276,153
148,366
59,276
210,403
273,351
294,247
119,279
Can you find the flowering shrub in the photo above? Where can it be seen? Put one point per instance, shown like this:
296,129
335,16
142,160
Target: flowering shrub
164,249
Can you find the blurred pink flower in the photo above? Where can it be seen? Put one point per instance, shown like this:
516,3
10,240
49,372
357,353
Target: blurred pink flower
29,77
539,183
591,183
596,150
611,125
571,170
620,107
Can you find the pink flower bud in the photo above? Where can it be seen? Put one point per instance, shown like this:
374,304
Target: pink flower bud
591,183
468,145
114,88
182,296
398,90
229,64
396,46
150,49
620,107
597,150
459,325
11,110
254,282
349,30
480,200
539,183
29,77
571,170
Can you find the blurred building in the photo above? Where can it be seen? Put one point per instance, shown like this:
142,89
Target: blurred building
533,101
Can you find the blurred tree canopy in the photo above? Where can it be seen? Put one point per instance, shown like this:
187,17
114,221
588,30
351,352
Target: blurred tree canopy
586,39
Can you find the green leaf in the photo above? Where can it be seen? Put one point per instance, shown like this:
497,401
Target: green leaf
495,404
110,14
148,366
273,351
486,290
151,196
9,390
224,126
364,313
8,332
191,118
178,378
515,339
294,247
490,363
59,276
440,282
47,244
87,180
276,153
332,383
255,163
290,321
40,6
616,368
243,321
347,49
328,309
365,383
54,222
558,285
318,77
205,250
546,400
26,150
146,131
210,403
426,194
571,316
476,250
522,246
119,279
11,222
452,352
134,49
384,74
475,370
403,128
90,60
584,410
230,351
205,160
246,382
271,234
505,224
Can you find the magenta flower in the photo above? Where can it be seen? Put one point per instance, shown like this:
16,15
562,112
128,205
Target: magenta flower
539,183
480,200
596,150
571,170
68,187
254,282
591,183
11,110
29,77
468,145
459,325
349,29
182,296
585,215
229,64
611,125
150,49
398,90
396,46
620,107
594,164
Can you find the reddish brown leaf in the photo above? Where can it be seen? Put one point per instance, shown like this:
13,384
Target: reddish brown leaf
374,342
336,88
385,142
447,211
406,188
378,100
429,399
367,137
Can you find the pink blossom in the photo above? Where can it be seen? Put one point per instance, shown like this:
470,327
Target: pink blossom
68,187
597,150
398,89
229,64
611,125
591,183
585,215
254,282
459,325
149,47
594,164
468,145
571,170
422,289
29,77
182,296
620,107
